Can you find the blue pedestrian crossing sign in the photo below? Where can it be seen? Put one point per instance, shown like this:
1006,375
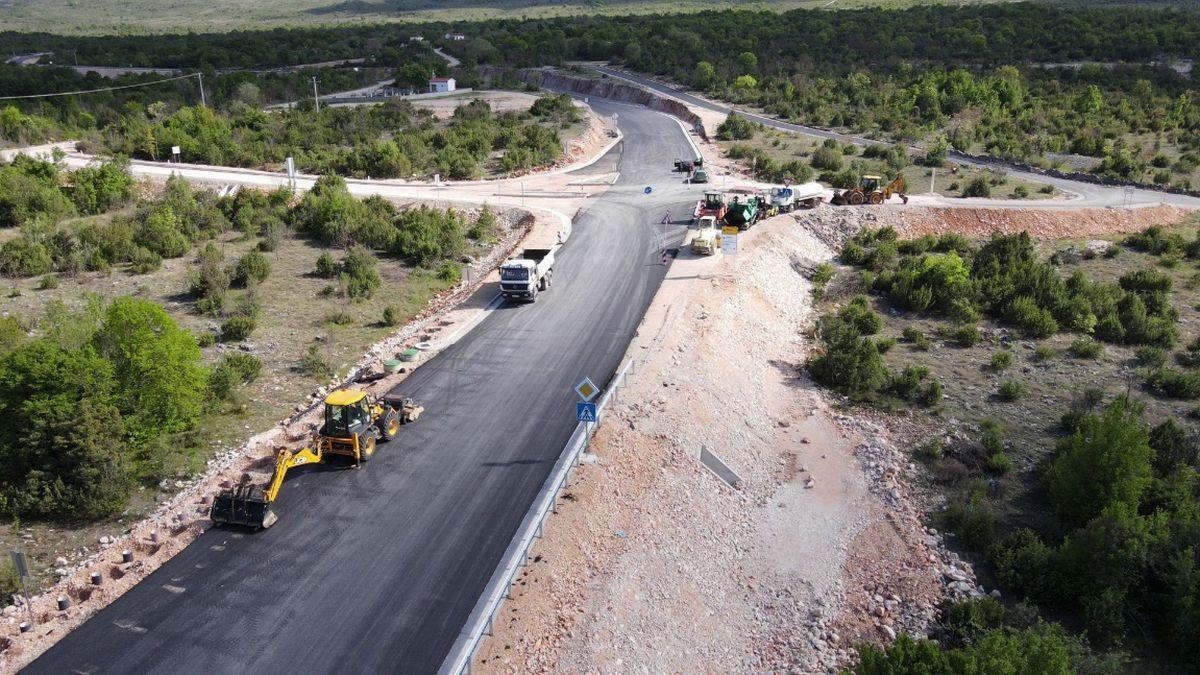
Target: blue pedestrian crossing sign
585,412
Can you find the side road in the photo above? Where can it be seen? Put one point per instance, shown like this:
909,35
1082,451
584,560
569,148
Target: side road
1088,194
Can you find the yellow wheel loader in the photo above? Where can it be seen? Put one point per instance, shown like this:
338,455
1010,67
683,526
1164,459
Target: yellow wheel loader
871,190
354,421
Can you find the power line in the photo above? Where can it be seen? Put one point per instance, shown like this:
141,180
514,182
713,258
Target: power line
94,91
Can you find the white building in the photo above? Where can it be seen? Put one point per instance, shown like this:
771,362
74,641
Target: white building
416,38
439,84
456,37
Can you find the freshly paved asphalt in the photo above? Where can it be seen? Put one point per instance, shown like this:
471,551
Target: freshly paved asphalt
376,570
1089,194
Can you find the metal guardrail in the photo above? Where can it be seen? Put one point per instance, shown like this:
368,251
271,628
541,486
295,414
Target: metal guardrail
479,623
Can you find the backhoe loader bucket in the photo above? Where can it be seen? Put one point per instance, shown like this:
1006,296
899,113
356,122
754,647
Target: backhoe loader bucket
243,505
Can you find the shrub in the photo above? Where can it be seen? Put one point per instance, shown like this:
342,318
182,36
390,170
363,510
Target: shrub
449,272
1020,192
978,187
1035,321
736,128
1044,352
973,519
915,386
1176,384
1113,440
1001,361
963,311
48,282
1190,357
359,275
1010,390
391,316
326,267
859,314
1086,348
251,268
1150,357
965,336
884,345
999,463
206,339
232,371
314,364
144,261
425,236
850,363
827,159
917,338
340,318
237,328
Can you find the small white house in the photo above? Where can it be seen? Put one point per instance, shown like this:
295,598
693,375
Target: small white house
416,38
440,84
456,37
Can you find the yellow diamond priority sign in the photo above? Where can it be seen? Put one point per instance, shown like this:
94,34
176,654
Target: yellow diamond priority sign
587,390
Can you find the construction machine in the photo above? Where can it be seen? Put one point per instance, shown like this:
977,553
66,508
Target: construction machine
871,190
708,238
712,204
354,421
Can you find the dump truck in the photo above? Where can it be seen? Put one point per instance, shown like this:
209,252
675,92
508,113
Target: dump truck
787,198
743,212
871,190
712,204
708,238
523,277
354,421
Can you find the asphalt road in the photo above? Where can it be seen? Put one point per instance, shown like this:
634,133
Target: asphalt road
376,570
1089,195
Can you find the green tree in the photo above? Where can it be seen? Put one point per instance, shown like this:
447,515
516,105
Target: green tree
156,365
1104,465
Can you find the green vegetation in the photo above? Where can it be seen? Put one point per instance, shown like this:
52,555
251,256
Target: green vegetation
1004,280
94,406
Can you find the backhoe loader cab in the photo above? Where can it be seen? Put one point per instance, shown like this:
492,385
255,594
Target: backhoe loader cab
870,183
354,421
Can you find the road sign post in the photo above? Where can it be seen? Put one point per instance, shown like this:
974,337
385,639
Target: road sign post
21,567
587,389
729,240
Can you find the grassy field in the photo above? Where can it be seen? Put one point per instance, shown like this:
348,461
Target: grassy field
783,146
75,17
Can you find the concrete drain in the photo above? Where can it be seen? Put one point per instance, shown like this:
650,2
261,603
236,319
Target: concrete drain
720,469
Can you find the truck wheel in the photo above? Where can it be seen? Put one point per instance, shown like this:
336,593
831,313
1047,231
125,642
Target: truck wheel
366,447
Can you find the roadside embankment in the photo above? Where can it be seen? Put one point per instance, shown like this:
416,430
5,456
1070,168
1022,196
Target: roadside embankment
654,563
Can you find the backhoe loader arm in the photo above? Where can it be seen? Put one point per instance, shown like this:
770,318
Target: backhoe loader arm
285,460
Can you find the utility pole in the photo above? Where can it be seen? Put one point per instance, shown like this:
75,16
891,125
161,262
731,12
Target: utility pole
932,175
203,101
316,99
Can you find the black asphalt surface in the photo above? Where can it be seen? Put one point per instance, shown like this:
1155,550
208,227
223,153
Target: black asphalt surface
376,570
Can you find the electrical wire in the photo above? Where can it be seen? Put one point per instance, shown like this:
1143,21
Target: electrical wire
95,91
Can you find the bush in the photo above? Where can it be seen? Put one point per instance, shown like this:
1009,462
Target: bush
326,267
884,345
965,336
859,314
144,261
449,272
850,363
251,268
1175,384
359,275
237,328
1035,321
825,159
1113,440
1086,348
340,318
1010,390
233,371
978,187
425,236
391,316
999,463
915,386
314,364
736,128
1001,361
1150,357
48,282
206,339
917,338
1044,352
973,519
1190,357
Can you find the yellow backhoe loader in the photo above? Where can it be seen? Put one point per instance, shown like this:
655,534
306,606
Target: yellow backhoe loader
870,190
354,421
